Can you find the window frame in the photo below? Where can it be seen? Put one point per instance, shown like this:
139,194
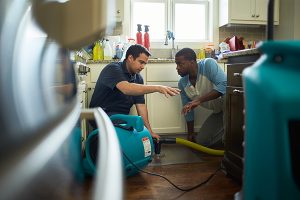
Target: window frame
204,2
212,33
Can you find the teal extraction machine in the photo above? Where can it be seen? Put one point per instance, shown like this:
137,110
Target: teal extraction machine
272,121
136,143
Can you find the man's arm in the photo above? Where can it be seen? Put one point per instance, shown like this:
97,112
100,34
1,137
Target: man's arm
207,97
134,89
143,112
217,76
189,117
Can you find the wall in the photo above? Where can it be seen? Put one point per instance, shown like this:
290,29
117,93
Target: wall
254,33
289,27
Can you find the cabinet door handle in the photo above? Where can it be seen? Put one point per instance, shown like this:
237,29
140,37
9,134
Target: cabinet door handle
257,15
236,91
237,74
252,15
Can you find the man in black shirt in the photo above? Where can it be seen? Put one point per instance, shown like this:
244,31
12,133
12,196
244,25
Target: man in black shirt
120,85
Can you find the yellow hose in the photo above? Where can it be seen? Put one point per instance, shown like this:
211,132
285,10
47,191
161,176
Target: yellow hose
199,147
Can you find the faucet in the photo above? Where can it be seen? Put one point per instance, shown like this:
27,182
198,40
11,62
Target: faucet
170,35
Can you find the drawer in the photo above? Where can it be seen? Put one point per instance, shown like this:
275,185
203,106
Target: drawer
162,72
234,74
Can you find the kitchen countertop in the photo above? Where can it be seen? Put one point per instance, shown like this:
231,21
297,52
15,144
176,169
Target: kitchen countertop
241,56
151,60
241,53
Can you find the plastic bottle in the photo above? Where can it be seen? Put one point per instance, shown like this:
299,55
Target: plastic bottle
107,51
119,52
146,38
209,51
139,35
100,52
130,42
96,51
201,54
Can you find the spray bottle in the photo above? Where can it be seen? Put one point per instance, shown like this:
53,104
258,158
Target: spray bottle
146,37
139,36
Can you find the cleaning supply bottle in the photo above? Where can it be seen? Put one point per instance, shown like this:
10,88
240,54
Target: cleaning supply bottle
96,51
107,51
100,51
146,38
119,52
139,35
201,54
130,42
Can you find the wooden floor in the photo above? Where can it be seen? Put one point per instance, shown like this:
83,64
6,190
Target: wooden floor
220,187
190,169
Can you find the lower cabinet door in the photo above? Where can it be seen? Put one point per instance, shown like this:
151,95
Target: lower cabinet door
165,112
234,134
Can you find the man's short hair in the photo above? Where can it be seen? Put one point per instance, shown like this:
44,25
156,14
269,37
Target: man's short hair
187,53
135,50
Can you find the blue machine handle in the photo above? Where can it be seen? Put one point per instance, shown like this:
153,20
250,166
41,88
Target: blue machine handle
131,121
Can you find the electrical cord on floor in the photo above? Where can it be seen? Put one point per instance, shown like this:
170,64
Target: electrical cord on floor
177,187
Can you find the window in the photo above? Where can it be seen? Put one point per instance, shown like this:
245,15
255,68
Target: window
149,13
189,20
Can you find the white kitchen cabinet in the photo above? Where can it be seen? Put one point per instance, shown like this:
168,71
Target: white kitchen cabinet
165,113
246,12
162,72
95,70
92,78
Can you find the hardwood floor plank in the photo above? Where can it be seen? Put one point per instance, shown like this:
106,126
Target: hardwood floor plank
220,187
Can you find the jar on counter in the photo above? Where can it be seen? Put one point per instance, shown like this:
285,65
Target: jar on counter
209,51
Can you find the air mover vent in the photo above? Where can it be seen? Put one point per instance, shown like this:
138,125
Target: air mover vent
294,129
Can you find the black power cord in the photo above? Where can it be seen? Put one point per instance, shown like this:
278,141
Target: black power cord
177,187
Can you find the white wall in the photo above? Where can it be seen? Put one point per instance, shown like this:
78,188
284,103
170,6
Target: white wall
289,26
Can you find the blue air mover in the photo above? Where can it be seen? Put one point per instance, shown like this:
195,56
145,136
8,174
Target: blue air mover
272,121
135,141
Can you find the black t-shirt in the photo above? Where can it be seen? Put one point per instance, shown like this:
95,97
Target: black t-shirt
107,96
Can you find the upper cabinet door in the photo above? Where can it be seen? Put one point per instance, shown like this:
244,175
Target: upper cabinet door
246,12
241,9
261,13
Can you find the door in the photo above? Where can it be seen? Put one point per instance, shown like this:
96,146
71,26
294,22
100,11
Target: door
165,113
261,12
242,9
